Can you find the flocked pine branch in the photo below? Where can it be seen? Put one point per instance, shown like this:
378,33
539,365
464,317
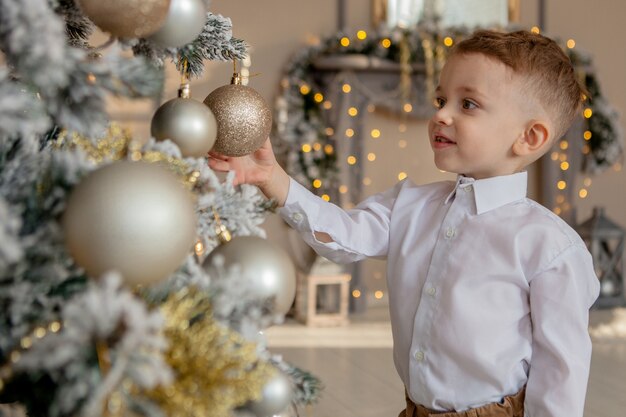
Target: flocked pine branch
10,248
77,27
81,106
108,313
32,38
308,386
21,112
215,43
71,84
37,275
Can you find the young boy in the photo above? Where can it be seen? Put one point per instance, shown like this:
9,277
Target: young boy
489,292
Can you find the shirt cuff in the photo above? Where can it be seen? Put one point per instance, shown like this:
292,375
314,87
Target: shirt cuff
301,207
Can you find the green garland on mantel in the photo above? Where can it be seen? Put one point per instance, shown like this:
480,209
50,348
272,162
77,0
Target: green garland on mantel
299,115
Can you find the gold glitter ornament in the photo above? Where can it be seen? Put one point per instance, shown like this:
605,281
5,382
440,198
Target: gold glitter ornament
244,119
127,18
132,217
215,368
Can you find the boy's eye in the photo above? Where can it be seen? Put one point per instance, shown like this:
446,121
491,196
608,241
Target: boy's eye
439,102
468,104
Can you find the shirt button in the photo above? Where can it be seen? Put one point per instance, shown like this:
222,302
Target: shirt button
432,291
419,356
468,189
297,217
450,232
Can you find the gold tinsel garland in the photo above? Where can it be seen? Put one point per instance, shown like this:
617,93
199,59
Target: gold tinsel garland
112,147
216,369
118,144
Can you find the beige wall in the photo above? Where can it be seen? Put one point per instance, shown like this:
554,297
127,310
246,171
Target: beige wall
276,29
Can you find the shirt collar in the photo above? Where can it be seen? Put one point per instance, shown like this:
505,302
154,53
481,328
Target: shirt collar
494,192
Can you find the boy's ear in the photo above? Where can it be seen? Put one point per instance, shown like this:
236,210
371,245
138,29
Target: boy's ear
534,137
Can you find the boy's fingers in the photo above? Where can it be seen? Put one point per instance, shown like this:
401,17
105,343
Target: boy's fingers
218,156
219,165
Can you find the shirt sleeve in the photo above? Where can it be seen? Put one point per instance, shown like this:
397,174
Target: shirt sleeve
560,298
358,233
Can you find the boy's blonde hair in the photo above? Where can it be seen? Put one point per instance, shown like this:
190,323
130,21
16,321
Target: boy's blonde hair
549,73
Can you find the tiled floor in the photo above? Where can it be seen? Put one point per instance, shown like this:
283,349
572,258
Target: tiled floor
356,365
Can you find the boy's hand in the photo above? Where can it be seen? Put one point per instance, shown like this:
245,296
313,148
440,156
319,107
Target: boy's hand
259,168
255,169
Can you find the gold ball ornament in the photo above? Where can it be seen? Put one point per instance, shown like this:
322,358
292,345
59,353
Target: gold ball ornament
127,18
186,122
268,266
244,119
133,217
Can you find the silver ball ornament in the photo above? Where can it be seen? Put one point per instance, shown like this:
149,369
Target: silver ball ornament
133,217
126,18
244,119
185,20
276,397
267,265
186,122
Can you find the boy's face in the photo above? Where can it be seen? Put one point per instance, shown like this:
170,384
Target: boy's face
480,115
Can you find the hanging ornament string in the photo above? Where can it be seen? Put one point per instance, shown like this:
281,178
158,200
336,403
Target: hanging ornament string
185,72
238,77
97,49
184,91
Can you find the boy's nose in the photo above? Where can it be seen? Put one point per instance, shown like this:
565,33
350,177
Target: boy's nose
442,117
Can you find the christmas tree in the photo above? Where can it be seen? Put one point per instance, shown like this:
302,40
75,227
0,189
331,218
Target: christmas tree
113,298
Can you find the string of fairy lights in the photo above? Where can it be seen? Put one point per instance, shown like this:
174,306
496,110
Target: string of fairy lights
435,52
373,133
353,111
561,158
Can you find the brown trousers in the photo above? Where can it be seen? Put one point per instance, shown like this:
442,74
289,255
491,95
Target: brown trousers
511,406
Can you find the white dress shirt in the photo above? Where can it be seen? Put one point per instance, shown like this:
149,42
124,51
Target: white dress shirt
488,290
